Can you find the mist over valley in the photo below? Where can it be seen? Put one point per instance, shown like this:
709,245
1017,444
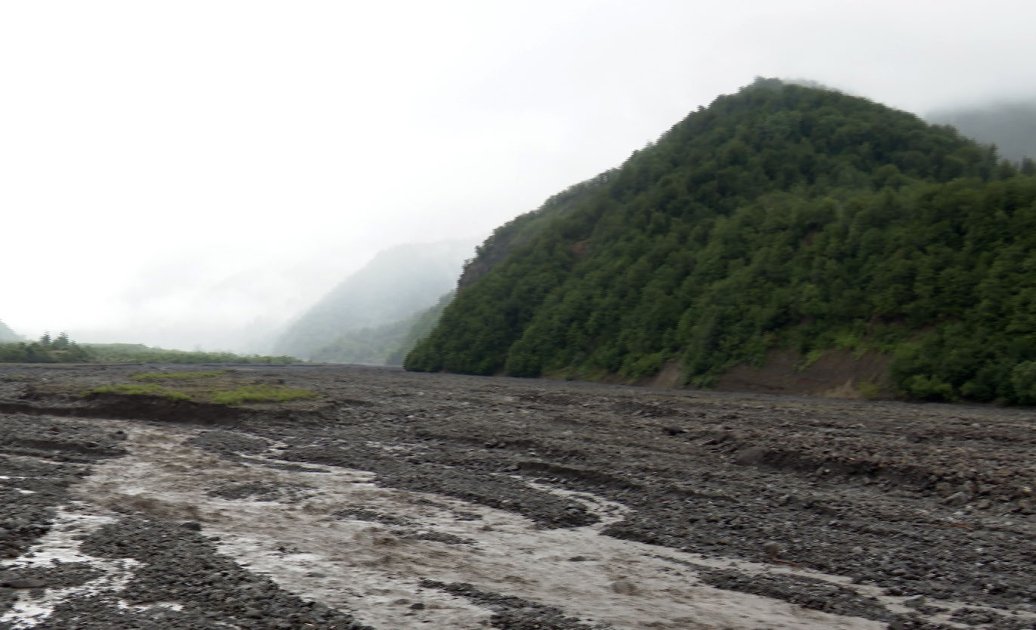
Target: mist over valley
388,291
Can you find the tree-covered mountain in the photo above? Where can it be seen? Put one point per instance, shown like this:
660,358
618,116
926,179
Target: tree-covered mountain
783,216
1010,125
6,334
395,285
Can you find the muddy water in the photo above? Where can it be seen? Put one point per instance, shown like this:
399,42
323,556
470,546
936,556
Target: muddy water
308,543
332,535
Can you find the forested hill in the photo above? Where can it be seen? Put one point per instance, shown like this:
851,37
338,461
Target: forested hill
780,216
520,230
6,334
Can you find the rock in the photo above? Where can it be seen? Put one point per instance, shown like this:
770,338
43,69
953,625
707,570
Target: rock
751,456
773,549
23,583
624,587
956,499
253,613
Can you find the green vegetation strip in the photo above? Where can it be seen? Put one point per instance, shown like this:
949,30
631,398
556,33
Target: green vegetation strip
262,393
63,350
176,376
140,390
221,393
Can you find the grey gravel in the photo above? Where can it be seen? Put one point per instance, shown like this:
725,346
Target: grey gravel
928,502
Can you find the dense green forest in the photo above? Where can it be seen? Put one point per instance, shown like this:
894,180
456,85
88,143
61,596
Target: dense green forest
61,349
780,216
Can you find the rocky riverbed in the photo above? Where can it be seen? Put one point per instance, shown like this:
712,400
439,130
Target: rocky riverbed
400,501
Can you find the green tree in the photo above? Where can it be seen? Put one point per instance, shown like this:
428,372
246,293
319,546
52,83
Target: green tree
779,216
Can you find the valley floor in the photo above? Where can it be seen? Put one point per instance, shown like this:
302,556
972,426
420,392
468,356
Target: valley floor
400,500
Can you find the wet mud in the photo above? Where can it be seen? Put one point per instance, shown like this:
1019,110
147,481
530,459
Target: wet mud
401,500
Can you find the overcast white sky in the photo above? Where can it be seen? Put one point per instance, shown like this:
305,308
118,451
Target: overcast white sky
192,173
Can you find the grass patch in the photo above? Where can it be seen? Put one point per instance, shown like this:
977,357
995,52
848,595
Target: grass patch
261,393
175,376
140,390
811,357
868,390
221,387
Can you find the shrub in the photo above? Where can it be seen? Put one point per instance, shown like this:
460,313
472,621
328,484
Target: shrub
1023,379
928,387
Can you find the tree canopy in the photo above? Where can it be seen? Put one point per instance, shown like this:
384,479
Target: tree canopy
782,215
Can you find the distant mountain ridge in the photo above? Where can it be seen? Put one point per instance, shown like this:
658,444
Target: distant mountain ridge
396,284
1010,125
6,334
780,217
387,344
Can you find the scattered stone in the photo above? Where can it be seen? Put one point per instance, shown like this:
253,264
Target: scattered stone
681,493
624,587
751,456
773,549
23,583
